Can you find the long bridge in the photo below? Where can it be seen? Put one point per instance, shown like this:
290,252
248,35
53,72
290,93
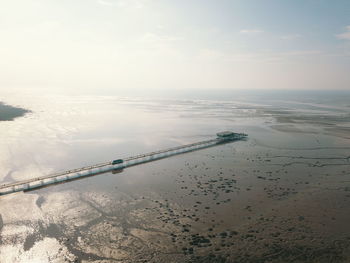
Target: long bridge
115,165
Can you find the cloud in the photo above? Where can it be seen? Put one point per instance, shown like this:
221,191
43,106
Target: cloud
251,31
211,54
158,40
123,3
290,37
345,35
106,3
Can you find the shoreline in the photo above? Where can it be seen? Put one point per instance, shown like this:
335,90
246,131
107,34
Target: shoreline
9,113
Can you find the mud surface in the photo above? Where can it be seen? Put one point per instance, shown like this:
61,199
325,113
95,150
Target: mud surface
281,196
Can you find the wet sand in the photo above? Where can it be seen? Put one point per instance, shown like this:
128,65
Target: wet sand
281,196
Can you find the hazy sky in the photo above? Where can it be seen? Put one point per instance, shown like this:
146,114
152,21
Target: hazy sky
174,44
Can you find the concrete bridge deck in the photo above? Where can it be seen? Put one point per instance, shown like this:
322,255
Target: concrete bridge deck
38,182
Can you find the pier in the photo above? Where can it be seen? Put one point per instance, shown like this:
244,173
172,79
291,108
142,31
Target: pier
115,165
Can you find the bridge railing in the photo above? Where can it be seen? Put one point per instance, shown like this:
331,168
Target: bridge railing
100,165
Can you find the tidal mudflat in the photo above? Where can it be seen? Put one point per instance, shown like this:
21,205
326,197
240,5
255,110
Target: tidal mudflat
281,196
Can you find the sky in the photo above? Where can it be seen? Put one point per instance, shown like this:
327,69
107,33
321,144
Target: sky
118,45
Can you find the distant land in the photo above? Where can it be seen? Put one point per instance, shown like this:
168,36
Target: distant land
9,113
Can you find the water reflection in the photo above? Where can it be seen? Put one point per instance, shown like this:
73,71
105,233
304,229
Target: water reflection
282,194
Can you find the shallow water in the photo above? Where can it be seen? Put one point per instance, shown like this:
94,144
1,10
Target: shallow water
281,196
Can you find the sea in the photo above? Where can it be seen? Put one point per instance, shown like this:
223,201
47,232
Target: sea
281,195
